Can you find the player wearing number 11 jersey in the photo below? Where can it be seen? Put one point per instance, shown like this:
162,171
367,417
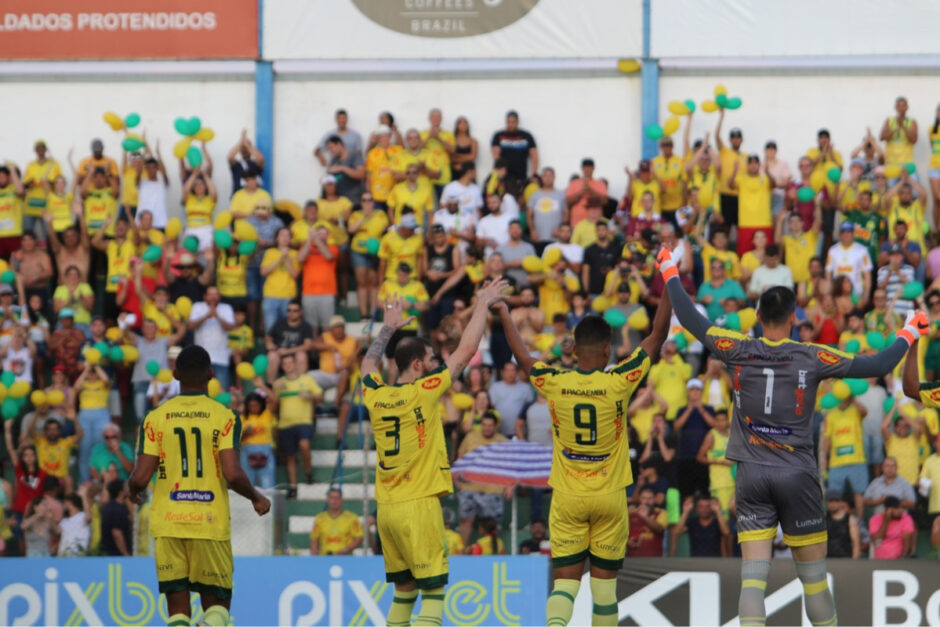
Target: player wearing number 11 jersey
192,442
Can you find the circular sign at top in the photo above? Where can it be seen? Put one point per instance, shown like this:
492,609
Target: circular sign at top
444,18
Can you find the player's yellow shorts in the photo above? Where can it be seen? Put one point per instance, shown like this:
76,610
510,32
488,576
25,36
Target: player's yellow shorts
413,544
203,566
594,526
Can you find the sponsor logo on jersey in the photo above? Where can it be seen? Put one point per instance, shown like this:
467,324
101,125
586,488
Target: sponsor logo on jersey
766,429
430,384
182,517
724,344
197,496
935,395
539,381
228,426
150,433
827,358
583,458
757,441
634,375
577,392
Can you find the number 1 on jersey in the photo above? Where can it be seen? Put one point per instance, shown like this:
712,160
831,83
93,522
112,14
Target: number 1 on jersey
769,391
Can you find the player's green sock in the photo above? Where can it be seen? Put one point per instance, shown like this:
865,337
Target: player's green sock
604,592
399,615
561,602
216,616
432,607
178,619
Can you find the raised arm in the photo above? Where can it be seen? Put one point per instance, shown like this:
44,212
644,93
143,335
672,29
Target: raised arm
516,344
688,315
473,333
653,343
392,322
883,362
911,378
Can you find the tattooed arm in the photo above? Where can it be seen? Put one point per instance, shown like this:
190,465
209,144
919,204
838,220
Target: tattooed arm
470,341
393,322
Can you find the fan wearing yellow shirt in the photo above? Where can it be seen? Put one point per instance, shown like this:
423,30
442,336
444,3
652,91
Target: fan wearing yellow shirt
717,248
440,143
100,195
59,204
335,531
280,270
199,200
413,470
754,187
132,168
668,170
928,393
701,174
899,134
379,160
334,210
798,246
11,210
412,193
843,443
824,157
727,158
296,394
38,177
591,460
403,245
902,206
410,291
640,183
300,229
368,223
54,450
428,164
250,196
192,444
119,253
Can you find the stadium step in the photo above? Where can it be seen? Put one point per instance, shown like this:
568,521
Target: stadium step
351,458
326,425
318,491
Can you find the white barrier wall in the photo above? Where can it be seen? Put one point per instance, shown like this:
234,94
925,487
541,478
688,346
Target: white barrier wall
571,118
67,113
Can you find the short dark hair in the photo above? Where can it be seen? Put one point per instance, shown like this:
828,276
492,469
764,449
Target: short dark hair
593,331
75,500
776,305
334,139
296,301
193,366
647,488
773,250
489,416
115,488
50,484
408,349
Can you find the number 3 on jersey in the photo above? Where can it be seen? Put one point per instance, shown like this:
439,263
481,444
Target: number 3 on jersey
585,417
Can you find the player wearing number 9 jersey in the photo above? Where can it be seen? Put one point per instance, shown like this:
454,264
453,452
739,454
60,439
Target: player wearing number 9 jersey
775,383
413,471
591,458
192,443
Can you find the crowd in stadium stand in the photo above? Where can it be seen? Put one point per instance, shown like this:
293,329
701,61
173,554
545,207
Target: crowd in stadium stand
100,286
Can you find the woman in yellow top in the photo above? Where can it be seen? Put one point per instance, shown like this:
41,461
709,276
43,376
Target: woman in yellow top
258,425
280,270
59,204
199,198
473,417
489,543
91,387
365,224
231,271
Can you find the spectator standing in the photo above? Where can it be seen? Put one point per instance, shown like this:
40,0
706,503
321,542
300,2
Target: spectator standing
351,139
54,449
116,522
280,269
39,177
338,353
318,283
346,167
901,205
493,228
824,158
769,274
903,442
335,531
152,189
199,200
365,224
851,259
443,260
150,348
516,148
478,500
714,292
581,190
892,277
639,185
713,453
91,388
892,532
211,320
465,146
889,483
648,525
75,247
257,451
378,166
440,143
414,193
546,210
693,423
899,132
754,187
289,335
509,397
669,377
707,529
799,246
401,245
250,197
599,259
468,194
669,170
295,394
730,160
779,171
913,252
37,526
74,530
842,525
514,251
97,159
113,455
843,446
245,161
929,483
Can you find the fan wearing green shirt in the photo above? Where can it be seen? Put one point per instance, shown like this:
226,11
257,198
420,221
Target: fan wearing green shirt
713,293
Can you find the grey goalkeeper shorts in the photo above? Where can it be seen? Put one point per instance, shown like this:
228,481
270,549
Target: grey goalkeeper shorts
767,495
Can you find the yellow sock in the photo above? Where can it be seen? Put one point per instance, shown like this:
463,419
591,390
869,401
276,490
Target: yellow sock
399,615
604,592
432,607
561,602
178,619
216,616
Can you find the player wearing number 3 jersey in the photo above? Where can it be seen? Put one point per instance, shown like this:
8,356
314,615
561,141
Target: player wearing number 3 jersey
775,382
413,471
192,443
591,459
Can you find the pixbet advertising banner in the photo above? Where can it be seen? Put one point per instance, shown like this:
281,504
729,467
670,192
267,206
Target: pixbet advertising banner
128,29
268,591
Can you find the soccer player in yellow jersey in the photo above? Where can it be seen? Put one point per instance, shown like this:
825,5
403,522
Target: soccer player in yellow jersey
591,459
192,442
413,471
335,531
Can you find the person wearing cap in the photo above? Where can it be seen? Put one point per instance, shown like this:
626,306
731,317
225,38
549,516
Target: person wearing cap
351,139
728,156
582,189
901,205
546,210
769,274
369,222
754,187
441,144
843,446
824,157
899,132
94,161
250,197
842,525
346,167
850,258
38,178
442,261
668,169
378,166
338,352
199,199
152,187
779,170
100,191
414,192
893,532
411,292
468,194
638,185
870,227
402,245
516,147
892,277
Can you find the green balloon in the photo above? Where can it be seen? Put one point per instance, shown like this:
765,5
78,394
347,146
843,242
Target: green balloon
805,194
857,386
152,367
372,246
854,298
834,174
260,364
247,248
153,253
734,470
130,144
890,339
131,120
733,103
654,131
682,342
888,405
9,408
224,397
912,290
7,378
721,100
691,105
853,346
8,277
194,156
911,168
181,126
193,125
222,238
556,350
116,354
191,243
875,340
673,508
829,401
103,348
733,321
615,318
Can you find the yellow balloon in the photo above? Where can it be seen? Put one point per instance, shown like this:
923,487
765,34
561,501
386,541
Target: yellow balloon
205,134
289,206
462,401
628,66
600,304
671,126
38,398
841,390
55,397
184,305
720,89
215,388
817,180
223,220
4,266
180,147
164,376
709,106
532,264
245,232
19,389
677,107
131,354
3,392
551,256
748,318
571,283
908,410
114,120
544,342
113,333
892,171
92,355
174,227
638,320
245,371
